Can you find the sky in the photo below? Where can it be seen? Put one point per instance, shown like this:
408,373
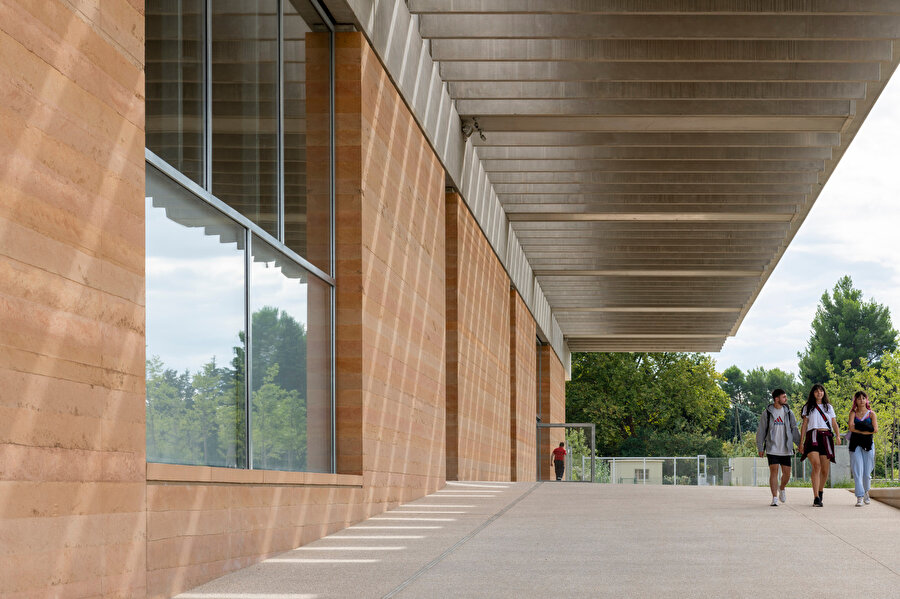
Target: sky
195,290
851,230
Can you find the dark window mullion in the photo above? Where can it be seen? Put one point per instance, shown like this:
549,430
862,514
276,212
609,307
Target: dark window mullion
207,96
248,350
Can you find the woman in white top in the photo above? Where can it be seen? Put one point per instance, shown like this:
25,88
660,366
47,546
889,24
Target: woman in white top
819,433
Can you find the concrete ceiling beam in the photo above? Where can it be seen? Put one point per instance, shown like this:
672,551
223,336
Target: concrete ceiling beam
519,212
884,7
715,50
701,137
745,91
639,244
644,166
680,344
499,154
634,108
676,273
558,238
752,217
661,71
649,328
653,302
515,123
653,188
652,310
639,201
657,263
660,26
670,178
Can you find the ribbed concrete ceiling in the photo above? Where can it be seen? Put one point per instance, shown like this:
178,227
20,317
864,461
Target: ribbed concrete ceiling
656,156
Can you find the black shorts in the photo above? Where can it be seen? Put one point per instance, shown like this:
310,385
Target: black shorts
781,460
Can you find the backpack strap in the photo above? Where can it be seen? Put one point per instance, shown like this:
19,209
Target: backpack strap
768,419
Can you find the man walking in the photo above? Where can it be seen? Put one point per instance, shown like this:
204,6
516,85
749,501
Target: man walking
558,459
776,436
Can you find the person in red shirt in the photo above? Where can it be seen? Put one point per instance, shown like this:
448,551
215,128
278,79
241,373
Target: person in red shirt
558,459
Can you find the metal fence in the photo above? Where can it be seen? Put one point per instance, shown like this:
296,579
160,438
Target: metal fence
682,470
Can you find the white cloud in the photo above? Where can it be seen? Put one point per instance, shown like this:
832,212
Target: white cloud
851,230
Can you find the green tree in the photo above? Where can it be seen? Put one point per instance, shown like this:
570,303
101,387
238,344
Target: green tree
845,328
578,446
745,447
880,384
664,403
279,339
167,410
888,437
750,393
279,425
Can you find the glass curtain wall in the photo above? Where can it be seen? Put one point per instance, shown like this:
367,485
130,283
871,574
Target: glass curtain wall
239,234
175,84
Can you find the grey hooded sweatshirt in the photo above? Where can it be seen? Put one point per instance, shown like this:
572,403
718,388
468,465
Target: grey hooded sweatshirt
774,437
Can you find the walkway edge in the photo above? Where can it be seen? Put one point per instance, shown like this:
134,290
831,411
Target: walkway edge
460,542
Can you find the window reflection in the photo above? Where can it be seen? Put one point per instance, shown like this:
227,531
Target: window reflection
307,134
174,83
245,108
195,330
291,416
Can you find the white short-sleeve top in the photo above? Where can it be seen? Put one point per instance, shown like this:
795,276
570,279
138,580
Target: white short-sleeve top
815,419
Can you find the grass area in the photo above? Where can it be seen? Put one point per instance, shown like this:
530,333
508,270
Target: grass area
884,483
877,483
805,484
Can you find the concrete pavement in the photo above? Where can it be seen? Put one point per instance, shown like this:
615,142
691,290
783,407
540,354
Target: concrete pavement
569,539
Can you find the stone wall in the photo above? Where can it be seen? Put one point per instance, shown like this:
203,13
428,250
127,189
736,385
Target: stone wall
523,390
72,449
478,389
402,288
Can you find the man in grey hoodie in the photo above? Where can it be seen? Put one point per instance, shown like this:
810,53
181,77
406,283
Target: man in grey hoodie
776,436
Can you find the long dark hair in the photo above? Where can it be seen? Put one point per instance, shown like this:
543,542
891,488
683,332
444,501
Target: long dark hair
810,404
856,397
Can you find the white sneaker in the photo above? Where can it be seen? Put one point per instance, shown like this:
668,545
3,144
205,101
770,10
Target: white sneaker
859,501
866,499
774,502
782,496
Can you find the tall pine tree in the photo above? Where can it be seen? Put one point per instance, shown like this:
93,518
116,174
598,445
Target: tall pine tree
845,328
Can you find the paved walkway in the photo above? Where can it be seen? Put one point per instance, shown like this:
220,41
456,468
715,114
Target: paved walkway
578,540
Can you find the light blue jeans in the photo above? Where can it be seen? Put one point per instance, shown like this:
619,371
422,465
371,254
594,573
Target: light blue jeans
862,463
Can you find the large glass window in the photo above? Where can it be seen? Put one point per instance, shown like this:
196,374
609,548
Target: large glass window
244,108
239,234
174,84
307,136
195,330
241,103
289,341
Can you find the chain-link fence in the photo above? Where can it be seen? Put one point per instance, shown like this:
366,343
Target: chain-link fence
682,470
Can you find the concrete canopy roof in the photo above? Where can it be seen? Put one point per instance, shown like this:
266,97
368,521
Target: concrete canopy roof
655,157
